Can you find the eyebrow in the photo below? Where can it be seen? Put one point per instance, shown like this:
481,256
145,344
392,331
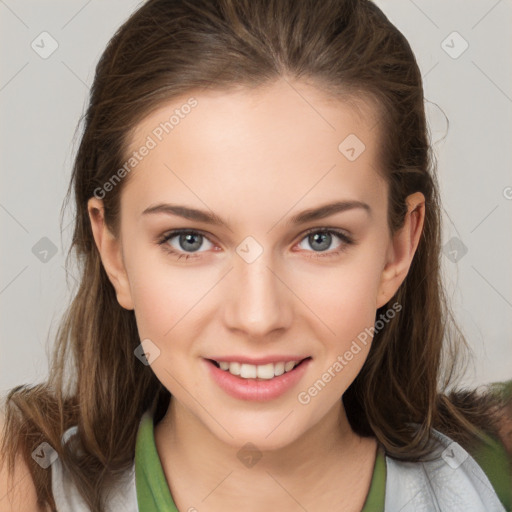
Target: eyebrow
207,217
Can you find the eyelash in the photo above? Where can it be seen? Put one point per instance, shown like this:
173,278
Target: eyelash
347,241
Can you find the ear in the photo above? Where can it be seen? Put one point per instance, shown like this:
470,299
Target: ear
402,249
110,251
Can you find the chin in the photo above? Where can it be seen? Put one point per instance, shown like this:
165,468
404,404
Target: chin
273,434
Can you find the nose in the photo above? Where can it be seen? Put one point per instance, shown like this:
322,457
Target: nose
258,301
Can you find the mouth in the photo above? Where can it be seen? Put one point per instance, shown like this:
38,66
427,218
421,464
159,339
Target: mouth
262,382
258,372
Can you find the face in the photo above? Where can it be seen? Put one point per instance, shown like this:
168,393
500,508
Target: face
270,281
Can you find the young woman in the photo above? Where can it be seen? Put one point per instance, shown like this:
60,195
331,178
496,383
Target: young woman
261,323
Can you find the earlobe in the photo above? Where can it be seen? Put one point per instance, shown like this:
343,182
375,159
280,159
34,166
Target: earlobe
109,248
402,249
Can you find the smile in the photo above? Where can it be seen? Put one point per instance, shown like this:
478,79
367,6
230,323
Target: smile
260,371
256,382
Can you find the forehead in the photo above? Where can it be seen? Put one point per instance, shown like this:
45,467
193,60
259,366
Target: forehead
278,145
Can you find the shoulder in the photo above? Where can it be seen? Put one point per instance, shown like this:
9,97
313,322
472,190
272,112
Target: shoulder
122,494
450,478
493,458
493,453
504,391
17,489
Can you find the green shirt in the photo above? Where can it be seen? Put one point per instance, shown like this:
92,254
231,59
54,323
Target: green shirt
153,492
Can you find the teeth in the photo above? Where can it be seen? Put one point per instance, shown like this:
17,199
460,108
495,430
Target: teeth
234,368
279,369
248,371
261,371
288,366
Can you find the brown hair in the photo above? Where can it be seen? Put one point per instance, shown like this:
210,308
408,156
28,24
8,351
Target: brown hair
166,49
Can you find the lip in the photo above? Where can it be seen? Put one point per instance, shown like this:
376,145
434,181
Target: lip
258,360
253,389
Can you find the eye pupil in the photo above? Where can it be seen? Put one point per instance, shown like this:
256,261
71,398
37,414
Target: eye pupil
321,237
188,238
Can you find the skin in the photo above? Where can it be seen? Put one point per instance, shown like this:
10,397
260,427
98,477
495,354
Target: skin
256,158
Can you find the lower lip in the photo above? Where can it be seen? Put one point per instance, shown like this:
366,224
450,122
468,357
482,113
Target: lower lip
258,390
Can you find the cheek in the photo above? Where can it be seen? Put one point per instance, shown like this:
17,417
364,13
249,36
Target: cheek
345,305
160,294
162,302
344,296
171,303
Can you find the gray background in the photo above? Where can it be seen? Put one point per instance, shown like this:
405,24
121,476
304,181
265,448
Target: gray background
41,100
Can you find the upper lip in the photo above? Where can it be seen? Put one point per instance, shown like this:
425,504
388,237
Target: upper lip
258,360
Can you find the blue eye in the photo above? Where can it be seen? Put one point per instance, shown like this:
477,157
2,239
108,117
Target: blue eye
322,239
192,240
187,240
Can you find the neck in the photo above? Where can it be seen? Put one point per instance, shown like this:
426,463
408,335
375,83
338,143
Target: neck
330,455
